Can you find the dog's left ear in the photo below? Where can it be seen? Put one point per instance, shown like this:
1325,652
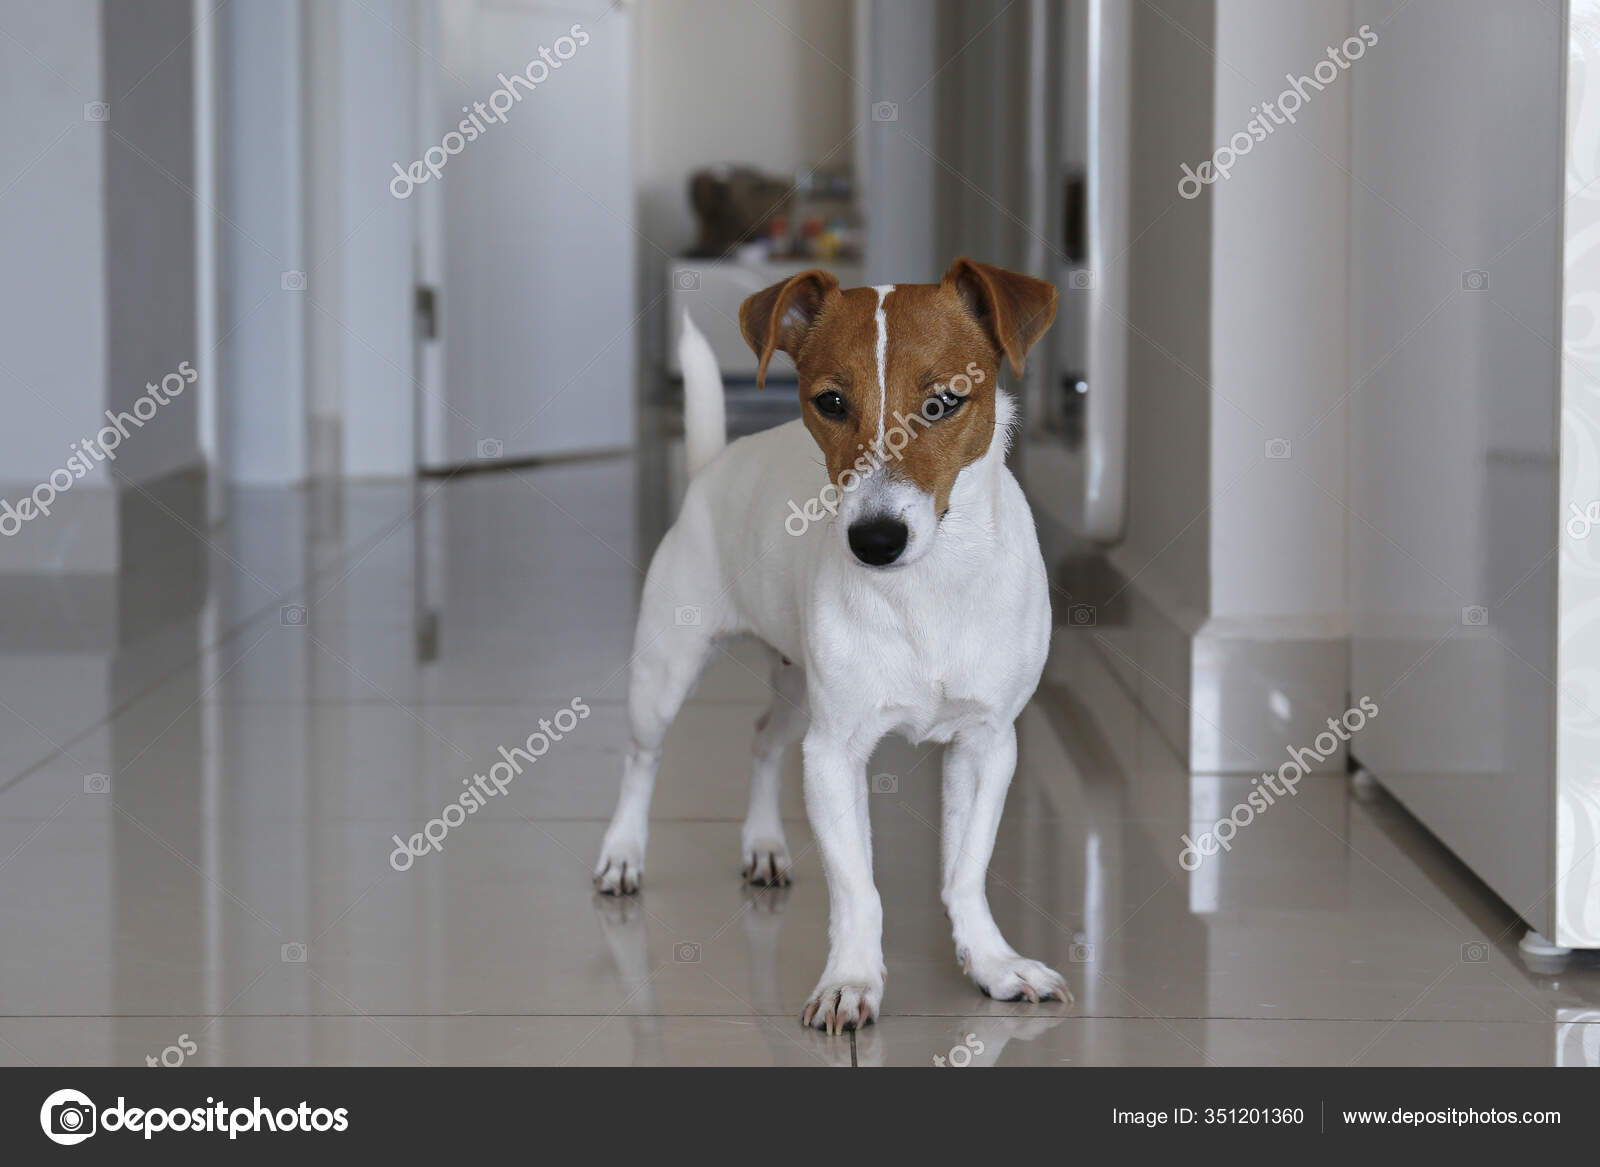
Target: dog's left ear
779,318
1013,308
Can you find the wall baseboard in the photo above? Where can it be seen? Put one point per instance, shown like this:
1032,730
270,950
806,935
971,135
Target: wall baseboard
1228,696
101,528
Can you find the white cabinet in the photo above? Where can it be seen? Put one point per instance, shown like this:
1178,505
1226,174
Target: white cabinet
1455,508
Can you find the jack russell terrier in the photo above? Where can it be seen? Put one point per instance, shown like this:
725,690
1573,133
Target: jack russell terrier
917,605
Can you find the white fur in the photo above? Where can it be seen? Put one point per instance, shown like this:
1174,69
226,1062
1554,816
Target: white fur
946,646
704,426
881,350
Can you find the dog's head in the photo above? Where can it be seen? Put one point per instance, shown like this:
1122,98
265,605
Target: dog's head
898,385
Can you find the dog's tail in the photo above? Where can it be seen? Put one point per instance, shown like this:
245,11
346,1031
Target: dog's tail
705,427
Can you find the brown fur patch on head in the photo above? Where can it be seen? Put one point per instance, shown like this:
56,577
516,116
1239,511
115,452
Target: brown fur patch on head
944,338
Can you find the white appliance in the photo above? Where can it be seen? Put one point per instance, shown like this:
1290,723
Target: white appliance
712,291
1476,444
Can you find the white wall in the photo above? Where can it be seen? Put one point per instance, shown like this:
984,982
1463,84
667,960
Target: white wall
97,228
325,139
1167,540
375,249
262,160
52,234
1232,630
766,84
359,71
902,177
1279,286
150,237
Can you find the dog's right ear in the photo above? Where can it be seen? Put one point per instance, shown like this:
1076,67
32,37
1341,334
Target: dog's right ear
779,317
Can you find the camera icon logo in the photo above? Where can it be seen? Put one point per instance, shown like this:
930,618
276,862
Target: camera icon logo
96,111
686,952
292,616
491,448
1475,281
1082,615
1081,280
293,281
292,953
97,784
1081,952
1475,952
68,1117
885,784
686,280
1279,449
1475,615
885,111
687,616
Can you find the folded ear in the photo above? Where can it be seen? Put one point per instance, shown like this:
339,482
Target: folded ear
1013,308
779,317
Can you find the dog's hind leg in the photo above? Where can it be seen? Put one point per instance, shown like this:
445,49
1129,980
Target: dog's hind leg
763,851
672,643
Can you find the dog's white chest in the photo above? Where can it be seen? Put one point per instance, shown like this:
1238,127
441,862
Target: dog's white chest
929,662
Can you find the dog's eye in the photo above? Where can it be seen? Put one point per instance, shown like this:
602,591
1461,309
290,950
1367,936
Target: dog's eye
942,403
829,404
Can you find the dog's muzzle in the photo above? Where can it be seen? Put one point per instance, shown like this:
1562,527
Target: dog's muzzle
878,542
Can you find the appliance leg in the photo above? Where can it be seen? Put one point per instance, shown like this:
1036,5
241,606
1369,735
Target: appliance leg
1534,944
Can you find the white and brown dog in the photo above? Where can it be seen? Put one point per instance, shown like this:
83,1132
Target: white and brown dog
918,605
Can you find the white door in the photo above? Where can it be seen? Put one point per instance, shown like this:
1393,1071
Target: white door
536,304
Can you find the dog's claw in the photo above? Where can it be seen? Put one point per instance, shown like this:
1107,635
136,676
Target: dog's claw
618,875
839,1008
767,865
1015,978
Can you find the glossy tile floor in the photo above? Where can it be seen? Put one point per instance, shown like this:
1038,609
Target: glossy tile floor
198,794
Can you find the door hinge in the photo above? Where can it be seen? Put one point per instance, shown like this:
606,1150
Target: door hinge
427,312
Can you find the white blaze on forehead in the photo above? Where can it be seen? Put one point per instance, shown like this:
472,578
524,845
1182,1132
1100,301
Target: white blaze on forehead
882,320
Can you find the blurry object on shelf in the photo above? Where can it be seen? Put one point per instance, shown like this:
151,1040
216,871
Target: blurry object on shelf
825,209
757,217
735,205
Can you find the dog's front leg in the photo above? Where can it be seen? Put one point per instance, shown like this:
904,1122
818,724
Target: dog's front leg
977,772
851,988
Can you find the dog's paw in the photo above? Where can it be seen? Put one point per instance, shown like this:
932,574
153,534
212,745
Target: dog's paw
620,869
843,1003
1009,977
766,861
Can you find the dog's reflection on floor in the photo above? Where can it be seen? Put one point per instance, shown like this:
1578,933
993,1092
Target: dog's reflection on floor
624,922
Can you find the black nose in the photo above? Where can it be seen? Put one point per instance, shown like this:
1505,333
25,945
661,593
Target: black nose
878,542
